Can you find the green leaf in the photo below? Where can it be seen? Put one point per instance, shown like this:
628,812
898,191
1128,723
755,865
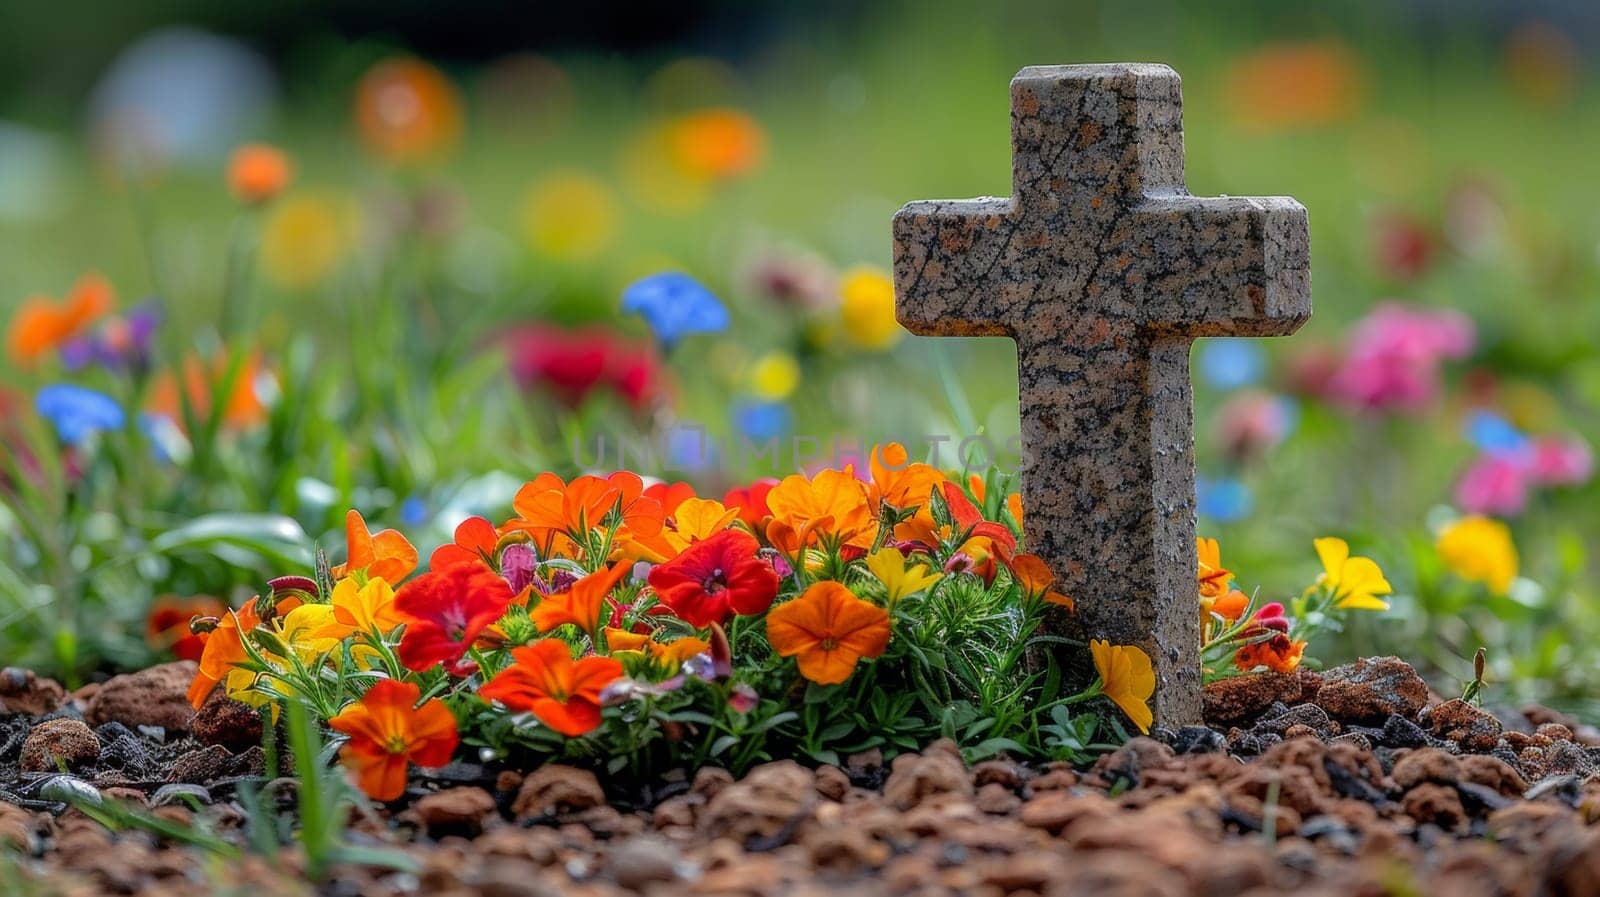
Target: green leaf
272,537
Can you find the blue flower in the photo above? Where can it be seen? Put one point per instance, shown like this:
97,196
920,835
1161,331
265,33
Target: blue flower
761,421
76,412
1494,434
675,305
1223,500
1231,363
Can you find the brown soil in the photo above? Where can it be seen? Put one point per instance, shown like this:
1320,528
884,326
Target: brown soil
1356,789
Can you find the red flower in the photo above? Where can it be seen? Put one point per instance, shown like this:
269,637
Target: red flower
544,680
446,610
670,495
715,578
475,542
167,626
751,501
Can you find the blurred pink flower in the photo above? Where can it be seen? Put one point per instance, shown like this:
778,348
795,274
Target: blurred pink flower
1496,485
1561,461
1252,422
1393,357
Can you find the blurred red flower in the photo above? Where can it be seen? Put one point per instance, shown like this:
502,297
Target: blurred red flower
572,364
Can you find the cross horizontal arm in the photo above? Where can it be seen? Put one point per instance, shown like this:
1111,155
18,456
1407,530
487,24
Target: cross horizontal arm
944,254
1227,266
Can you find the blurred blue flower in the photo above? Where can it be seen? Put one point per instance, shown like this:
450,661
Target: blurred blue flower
675,305
1223,500
413,511
691,449
77,412
1494,434
761,421
1231,363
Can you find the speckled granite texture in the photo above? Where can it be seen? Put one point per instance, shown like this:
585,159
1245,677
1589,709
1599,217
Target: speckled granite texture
1103,268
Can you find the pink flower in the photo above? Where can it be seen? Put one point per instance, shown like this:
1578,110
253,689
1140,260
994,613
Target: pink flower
1496,485
1561,461
1394,356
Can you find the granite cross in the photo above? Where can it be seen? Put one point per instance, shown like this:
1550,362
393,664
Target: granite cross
1104,269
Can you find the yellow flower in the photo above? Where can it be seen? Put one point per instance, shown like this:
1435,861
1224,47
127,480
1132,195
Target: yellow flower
1127,678
1356,581
866,308
898,577
304,239
1479,549
312,630
569,216
369,608
774,376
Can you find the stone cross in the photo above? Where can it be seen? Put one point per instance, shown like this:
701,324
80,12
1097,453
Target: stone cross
1104,270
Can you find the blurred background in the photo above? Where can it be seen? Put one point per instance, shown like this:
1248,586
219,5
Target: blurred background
427,306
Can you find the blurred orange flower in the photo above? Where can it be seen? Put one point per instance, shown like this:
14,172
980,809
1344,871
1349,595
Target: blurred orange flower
407,111
718,144
42,324
385,555
1287,86
244,407
544,680
828,629
166,628
388,732
258,172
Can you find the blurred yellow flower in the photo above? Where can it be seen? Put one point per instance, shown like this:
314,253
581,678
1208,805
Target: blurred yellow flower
1127,678
774,376
898,577
653,178
569,216
866,308
304,239
407,110
1356,581
1480,549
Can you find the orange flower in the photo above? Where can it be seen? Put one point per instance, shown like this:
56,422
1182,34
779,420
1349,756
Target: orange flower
475,543
673,653
42,325
258,172
407,110
717,144
1231,606
670,495
385,555
1278,653
388,732
544,680
224,647
1213,578
828,629
547,506
833,504
580,604
243,408
898,482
